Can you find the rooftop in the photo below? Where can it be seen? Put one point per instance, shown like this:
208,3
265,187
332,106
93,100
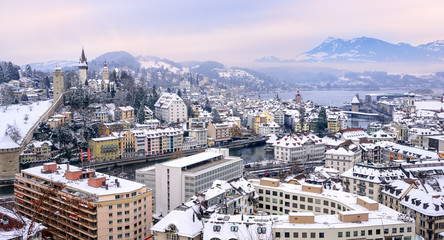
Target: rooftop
123,186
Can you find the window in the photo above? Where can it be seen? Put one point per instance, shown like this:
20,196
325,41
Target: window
216,228
355,233
295,197
287,196
119,205
110,222
267,192
378,231
261,230
310,200
401,230
370,232
110,207
295,205
409,229
286,234
110,215
119,228
386,230
234,228
302,199
321,235
362,232
347,234
119,236
304,235
313,235
295,235
275,193
119,213
110,230
278,234
393,230
119,220
340,234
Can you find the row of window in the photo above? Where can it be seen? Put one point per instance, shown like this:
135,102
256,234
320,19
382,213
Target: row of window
361,233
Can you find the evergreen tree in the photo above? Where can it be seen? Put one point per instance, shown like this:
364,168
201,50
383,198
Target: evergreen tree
216,116
207,106
113,92
86,82
179,93
168,90
321,124
25,97
141,116
108,90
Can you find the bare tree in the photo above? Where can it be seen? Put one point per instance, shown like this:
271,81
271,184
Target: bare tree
6,96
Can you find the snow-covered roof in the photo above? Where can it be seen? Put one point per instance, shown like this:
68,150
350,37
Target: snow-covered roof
183,219
125,186
297,140
424,203
374,174
166,99
355,100
197,158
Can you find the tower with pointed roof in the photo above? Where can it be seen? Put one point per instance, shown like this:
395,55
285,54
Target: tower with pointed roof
58,80
355,104
298,97
105,72
83,68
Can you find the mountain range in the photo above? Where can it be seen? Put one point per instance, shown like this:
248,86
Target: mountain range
365,49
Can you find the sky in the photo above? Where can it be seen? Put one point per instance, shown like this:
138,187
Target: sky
229,31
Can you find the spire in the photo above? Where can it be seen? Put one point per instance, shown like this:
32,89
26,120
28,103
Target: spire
83,57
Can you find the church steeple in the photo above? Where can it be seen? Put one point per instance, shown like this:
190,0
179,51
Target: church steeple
83,68
83,58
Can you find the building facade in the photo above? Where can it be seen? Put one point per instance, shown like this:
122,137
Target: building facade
77,203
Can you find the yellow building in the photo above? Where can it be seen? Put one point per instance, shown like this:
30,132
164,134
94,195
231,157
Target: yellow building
104,149
333,124
264,117
101,116
305,128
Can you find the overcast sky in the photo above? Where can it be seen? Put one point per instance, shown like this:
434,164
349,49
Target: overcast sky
233,32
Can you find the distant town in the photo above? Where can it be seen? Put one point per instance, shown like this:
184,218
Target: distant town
111,153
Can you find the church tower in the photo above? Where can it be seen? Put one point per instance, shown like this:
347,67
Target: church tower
58,83
83,68
105,72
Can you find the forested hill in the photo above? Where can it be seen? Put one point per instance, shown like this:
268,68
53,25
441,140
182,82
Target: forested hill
8,72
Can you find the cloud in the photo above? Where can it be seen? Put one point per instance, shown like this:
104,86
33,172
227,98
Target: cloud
230,31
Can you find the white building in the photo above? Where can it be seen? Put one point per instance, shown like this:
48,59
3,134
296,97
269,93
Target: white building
299,147
200,134
368,179
171,108
343,157
178,180
267,129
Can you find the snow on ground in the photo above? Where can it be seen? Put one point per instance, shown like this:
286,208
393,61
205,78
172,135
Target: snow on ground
15,115
158,64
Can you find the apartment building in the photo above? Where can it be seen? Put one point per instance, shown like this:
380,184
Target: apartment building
343,157
220,132
266,129
124,114
104,148
426,208
36,151
178,180
200,134
299,147
77,203
369,179
171,108
309,211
